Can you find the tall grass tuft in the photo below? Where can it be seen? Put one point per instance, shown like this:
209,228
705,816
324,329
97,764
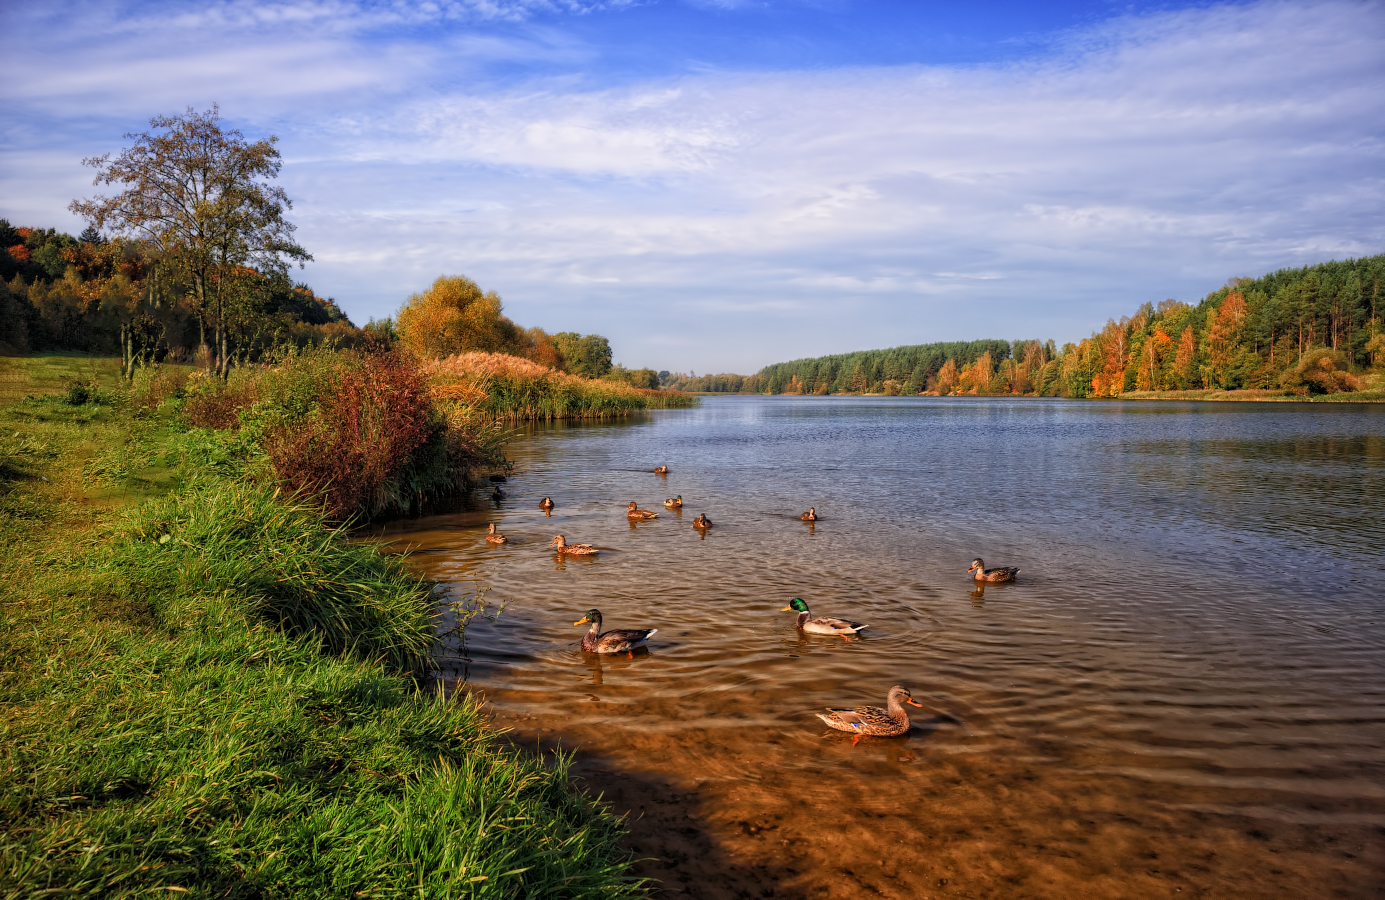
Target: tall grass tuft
287,565
510,388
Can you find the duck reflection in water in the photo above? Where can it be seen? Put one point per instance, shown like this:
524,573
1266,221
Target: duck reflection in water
978,596
597,663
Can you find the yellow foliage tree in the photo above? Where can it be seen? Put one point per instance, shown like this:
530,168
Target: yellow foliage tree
454,316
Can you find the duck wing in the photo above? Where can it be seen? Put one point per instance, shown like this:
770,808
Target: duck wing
621,640
832,625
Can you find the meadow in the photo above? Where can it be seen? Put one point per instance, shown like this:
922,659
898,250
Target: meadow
210,688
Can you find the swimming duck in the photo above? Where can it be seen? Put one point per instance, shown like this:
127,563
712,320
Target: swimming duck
662,470
636,513
872,719
811,515
675,503
497,494
493,536
623,641
822,624
546,503
702,521
561,545
999,573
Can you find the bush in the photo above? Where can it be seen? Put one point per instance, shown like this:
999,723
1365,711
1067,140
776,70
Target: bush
357,432
1321,371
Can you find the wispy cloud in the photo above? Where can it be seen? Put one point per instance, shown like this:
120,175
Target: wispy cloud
771,214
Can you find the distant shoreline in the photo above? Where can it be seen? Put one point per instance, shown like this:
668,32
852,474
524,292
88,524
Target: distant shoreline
1249,395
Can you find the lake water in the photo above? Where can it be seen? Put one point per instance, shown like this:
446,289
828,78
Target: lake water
1183,695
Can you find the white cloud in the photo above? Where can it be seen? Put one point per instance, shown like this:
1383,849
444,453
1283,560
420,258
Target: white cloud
778,214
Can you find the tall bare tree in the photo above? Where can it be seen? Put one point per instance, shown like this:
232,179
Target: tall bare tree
200,193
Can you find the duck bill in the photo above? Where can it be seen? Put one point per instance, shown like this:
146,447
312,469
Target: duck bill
912,702
581,621
787,609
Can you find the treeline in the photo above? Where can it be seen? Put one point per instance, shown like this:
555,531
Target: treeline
114,297
1315,329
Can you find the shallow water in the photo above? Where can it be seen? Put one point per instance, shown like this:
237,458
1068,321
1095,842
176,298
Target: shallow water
1183,695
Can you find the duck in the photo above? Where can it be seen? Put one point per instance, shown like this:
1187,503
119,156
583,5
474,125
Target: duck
497,494
811,515
873,720
702,521
635,512
562,546
546,503
621,641
493,536
662,470
675,503
822,624
999,573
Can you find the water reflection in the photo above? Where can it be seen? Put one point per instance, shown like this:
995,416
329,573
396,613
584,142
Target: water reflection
1079,716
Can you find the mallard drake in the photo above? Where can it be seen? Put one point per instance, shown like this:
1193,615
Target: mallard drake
675,503
702,521
635,512
811,515
662,470
561,545
624,641
999,573
873,720
546,503
493,536
822,624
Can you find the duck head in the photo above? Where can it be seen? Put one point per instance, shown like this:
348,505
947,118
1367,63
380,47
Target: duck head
900,694
592,615
796,605
976,566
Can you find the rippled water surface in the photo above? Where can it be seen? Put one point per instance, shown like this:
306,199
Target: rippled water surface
1183,695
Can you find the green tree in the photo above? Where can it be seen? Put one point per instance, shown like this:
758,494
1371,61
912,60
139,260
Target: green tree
584,354
200,194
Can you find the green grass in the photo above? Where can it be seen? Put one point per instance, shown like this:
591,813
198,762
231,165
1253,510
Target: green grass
207,690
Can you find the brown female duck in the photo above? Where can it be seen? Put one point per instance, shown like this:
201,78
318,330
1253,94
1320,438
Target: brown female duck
662,470
493,536
873,720
999,573
621,641
560,545
635,512
702,522
811,515
546,503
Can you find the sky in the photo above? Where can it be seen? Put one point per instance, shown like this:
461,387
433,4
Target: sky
716,185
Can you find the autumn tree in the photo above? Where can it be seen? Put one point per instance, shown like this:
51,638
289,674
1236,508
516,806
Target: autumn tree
455,316
200,194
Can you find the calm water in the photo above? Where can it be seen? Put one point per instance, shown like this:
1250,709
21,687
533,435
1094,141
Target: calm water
1184,695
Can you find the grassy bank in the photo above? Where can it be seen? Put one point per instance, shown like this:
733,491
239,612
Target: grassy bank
513,389
208,690
1372,391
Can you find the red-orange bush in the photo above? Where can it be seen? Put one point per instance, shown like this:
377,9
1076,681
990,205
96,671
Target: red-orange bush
372,412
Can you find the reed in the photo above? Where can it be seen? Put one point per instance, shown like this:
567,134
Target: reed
513,389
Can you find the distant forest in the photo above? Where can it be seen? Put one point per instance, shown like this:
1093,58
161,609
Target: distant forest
1308,330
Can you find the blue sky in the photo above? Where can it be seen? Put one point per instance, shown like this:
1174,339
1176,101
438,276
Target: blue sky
720,185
